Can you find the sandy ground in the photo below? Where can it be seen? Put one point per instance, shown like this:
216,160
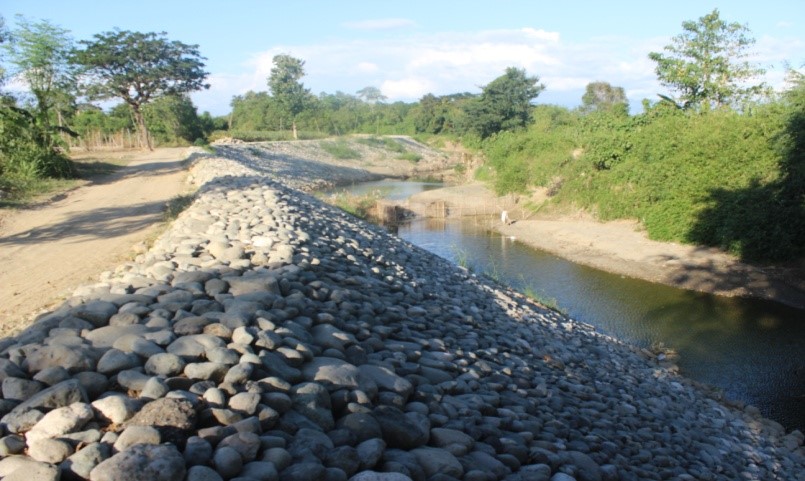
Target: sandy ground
49,250
622,248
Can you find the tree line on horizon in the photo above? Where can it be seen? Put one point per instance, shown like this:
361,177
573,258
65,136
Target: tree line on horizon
716,162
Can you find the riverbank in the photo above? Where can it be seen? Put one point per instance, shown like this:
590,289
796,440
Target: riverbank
268,335
620,247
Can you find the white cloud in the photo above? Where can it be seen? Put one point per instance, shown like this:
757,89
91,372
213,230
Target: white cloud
380,24
410,88
541,34
367,67
409,66
565,84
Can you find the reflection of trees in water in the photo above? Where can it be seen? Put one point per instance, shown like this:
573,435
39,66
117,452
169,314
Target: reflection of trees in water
750,348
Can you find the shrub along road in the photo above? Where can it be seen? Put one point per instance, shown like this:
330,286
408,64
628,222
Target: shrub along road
47,251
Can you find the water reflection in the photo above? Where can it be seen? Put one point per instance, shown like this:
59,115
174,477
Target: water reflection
753,350
388,189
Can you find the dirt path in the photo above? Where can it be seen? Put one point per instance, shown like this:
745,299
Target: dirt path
621,247
47,251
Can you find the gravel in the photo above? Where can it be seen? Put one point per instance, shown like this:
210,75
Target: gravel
267,335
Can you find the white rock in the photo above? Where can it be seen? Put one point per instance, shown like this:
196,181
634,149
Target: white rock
116,408
60,421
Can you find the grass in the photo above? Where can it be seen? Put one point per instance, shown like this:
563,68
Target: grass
484,173
361,206
173,208
549,302
412,157
264,135
493,273
462,258
255,151
18,192
340,149
177,205
392,145
382,143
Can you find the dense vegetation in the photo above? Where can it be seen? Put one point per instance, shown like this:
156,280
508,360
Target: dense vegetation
151,74
722,178
720,165
716,162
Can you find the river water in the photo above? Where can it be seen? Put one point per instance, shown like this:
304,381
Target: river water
754,350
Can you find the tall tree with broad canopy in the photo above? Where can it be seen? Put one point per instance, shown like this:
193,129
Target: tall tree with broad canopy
40,56
372,96
603,97
286,88
504,104
706,64
138,68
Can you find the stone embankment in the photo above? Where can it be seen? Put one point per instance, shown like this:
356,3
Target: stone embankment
267,336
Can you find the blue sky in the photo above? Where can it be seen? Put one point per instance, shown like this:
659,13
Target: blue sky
411,48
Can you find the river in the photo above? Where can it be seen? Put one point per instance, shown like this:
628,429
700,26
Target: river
753,350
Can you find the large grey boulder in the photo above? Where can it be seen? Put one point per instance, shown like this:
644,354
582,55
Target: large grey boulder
142,462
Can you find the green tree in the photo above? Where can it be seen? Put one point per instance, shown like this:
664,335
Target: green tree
40,55
430,115
504,104
342,111
249,111
603,97
173,119
706,64
372,96
138,68
286,88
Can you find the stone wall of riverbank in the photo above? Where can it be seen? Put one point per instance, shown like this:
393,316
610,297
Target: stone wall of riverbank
268,336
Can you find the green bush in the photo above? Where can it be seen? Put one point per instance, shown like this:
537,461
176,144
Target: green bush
410,157
382,143
24,148
263,135
361,206
340,149
726,179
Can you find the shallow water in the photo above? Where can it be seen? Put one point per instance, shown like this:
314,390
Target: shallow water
754,350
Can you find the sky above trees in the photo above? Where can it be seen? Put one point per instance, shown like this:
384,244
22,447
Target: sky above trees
408,49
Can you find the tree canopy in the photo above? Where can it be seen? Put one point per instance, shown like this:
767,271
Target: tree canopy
371,95
286,86
40,56
138,68
603,97
706,64
504,104
28,144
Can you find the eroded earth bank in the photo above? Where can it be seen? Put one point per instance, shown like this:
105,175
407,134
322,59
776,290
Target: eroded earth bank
268,336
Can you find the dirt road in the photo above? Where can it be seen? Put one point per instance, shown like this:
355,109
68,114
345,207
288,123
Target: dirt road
48,251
